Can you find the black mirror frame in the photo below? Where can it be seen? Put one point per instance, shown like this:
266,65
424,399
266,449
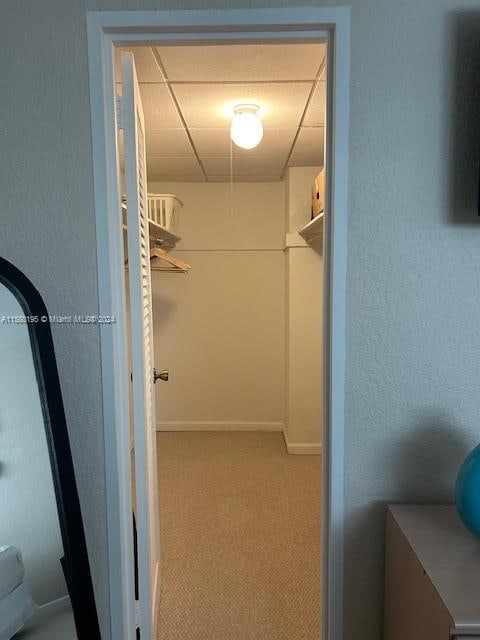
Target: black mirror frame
75,563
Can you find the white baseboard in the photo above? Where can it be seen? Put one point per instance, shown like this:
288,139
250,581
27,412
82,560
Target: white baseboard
302,448
219,426
55,606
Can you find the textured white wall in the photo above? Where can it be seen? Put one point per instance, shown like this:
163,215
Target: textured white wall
220,330
413,273
28,509
414,263
48,223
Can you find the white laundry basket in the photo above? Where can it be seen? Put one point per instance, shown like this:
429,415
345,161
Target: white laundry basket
163,209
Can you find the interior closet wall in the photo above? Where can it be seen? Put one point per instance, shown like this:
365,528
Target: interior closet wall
304,320
220,330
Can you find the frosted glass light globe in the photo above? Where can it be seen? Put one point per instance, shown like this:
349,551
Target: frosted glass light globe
246,129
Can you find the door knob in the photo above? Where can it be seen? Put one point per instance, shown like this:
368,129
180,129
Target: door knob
160,375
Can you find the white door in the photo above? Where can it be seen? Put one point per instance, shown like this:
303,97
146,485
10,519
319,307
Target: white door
141,339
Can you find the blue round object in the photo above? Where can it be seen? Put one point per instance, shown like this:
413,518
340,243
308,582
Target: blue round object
467,491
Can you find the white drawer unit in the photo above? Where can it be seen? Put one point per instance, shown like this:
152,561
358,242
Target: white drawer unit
432,575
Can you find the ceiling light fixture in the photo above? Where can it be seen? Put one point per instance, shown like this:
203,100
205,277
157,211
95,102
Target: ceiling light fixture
246,130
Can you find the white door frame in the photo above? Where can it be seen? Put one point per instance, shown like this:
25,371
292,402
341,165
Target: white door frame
105,30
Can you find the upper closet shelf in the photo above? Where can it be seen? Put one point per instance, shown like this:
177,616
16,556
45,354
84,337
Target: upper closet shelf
158,234
313,230
162,236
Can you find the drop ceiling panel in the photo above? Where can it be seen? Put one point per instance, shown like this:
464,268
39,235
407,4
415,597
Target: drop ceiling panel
248,62
155,178
216,142
159,168
310,142
159,110
255,165
145,65
207,81
315,115
211,142
169,142
210,105
306,161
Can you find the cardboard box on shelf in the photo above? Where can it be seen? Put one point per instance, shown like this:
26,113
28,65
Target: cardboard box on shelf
318,194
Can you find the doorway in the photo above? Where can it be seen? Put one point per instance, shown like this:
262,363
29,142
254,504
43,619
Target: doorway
112,344
239,329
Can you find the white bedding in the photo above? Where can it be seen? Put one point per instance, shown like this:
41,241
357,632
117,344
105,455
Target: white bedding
12,570
15,610
16,603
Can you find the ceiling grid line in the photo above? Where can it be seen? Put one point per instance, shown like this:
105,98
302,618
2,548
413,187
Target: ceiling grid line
321,69
161,68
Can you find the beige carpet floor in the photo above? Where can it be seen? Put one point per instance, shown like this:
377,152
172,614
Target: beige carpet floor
240,538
